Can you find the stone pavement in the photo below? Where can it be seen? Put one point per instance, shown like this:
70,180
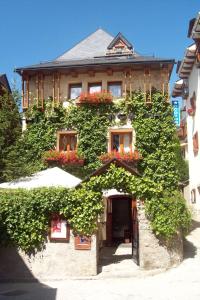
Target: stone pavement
180,283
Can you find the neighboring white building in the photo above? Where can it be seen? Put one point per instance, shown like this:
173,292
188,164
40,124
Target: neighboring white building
188,87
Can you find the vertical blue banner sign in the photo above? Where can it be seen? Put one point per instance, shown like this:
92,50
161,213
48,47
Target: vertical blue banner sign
176,108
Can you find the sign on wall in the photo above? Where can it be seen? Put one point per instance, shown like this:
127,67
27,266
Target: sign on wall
176,109
59,229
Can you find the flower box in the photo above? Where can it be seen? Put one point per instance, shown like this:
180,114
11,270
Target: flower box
53,157
95,98
128,157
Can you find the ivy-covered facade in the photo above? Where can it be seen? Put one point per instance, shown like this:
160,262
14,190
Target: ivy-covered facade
103,114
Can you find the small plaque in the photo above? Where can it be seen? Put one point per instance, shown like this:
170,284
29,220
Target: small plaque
82,242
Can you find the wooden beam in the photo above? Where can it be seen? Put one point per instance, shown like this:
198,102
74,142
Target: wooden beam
42,90
58,85
53,81
37,87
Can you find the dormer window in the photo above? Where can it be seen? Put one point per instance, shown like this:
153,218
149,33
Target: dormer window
120,45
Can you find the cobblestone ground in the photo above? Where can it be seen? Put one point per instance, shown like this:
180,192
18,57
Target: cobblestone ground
180,283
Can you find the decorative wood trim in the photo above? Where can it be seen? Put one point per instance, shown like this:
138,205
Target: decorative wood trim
42,90
58,88
37,87
53,81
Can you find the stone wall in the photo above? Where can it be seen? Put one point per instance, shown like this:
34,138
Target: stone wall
57,262
154,253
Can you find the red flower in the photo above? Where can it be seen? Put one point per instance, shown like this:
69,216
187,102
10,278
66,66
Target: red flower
63,158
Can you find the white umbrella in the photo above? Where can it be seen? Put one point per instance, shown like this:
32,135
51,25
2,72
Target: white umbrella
52,177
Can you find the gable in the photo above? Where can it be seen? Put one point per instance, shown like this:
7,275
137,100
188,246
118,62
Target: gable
120,45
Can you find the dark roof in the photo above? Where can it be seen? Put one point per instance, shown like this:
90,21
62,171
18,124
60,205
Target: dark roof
96,62
4,82
120,36
92,51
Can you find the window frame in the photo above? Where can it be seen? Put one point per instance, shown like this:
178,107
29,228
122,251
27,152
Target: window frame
120,132
68,132
109,83
71,85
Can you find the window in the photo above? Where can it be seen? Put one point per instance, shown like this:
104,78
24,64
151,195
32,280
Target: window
66,141
121,141
195,143
193,196
94,87
115,88
75,90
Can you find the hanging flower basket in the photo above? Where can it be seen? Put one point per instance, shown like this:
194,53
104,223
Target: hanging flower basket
128,157
95,98
53,158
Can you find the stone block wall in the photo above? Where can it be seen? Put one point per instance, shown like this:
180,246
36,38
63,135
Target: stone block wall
154,253
57,261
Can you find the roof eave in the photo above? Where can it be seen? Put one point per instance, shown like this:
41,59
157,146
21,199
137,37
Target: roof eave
96,64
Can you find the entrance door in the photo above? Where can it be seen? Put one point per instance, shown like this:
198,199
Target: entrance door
121,220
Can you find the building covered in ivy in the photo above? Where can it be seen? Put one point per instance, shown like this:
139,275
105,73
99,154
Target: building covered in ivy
102,110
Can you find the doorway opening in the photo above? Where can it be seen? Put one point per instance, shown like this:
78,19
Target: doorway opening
121,245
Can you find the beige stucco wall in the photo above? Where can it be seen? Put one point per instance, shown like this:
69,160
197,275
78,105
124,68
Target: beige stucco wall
133,82
57,261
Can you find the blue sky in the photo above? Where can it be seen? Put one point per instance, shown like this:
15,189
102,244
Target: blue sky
32,31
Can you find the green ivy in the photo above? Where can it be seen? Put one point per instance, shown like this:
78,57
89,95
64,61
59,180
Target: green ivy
155,139
25,214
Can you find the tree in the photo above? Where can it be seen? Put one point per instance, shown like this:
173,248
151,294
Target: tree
10,128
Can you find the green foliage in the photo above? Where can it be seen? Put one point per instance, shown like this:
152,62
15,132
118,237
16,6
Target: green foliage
24,158
182,164
168,214
91,123
10,128
155,139
25,214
